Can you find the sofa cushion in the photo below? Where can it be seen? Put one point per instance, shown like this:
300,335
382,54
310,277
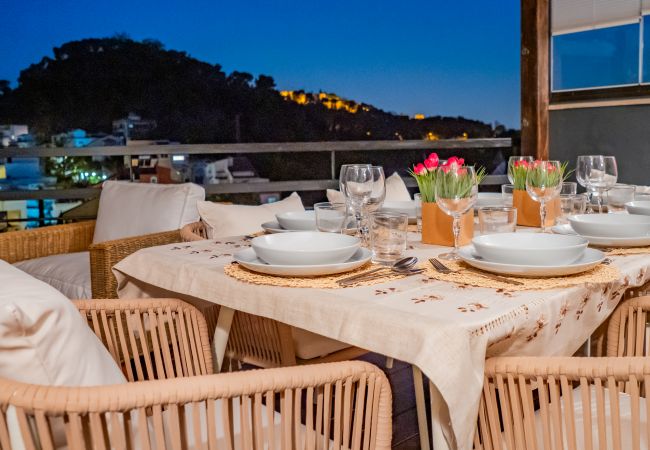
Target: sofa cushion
310,345
236,220
133,209
69,273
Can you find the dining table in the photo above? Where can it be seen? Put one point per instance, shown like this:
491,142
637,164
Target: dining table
445,329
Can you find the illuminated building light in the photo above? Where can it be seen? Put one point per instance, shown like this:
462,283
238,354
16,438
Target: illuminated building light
419,117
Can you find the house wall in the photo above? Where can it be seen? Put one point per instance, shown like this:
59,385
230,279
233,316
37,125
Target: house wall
622,131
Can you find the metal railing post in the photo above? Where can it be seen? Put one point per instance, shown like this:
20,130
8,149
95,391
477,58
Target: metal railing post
333,163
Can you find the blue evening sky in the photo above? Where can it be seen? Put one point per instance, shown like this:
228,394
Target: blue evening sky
432,57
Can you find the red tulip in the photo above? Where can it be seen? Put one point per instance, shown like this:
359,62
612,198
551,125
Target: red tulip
430,164
419,169
433,157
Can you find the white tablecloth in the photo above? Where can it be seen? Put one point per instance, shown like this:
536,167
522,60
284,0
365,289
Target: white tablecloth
445,329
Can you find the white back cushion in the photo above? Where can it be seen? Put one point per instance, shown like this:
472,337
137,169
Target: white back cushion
236,220
133,209
44,339
396,190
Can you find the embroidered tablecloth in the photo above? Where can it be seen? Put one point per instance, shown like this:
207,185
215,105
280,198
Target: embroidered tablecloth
445,329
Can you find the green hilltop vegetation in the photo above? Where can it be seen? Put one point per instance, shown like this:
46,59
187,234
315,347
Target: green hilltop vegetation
88,83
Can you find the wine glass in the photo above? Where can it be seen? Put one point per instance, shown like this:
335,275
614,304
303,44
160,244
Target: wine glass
378,194
511,163
601,176
543,183
342,183
456,192
582,164
358,181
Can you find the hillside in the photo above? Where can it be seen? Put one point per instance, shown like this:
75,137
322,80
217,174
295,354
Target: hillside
89,83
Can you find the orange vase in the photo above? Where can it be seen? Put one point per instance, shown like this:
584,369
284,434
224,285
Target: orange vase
437,226
528,209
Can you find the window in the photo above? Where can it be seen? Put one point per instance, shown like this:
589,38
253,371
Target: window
597,44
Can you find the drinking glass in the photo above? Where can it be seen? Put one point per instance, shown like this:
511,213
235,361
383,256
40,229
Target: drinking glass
378,194
358,181
456,192
601,174
417,198
580,203
331,217
506,193
619,195
511,162
543,183
497,219
388,236
569,188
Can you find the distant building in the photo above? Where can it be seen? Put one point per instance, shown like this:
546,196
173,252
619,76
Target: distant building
9,134
78,138
237,169
133,127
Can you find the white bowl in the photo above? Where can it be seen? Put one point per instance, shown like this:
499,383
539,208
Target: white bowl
610,225
641,207
297,220
305,248
532,249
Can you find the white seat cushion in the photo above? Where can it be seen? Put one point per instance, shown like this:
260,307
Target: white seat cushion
625,410
235,220
134,209
310,345
69,273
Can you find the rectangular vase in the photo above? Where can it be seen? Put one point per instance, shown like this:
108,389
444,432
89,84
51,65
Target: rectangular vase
437,226
528,209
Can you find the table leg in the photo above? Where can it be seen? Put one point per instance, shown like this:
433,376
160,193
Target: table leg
420,407
437,433
221,334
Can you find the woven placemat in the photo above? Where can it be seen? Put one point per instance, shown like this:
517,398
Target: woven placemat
240,273
468,275
628,251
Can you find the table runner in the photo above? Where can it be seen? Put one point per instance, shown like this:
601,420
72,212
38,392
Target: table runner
445,329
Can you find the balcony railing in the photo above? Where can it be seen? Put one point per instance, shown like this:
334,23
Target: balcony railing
333,148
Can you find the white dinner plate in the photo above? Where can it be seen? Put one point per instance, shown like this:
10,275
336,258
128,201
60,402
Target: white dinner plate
590,259
639,241
249,259
305,248
274,227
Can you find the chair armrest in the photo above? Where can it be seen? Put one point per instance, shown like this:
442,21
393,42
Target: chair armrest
626,332
104,255
349,401
176,341
21,245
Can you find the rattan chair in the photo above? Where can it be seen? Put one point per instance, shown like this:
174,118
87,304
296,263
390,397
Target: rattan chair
22,245
572,402
257,340
340,405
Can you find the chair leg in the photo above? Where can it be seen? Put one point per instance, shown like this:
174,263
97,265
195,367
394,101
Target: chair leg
420,406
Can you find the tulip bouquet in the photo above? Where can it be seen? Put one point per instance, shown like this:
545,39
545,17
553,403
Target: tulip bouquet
519,170
426,172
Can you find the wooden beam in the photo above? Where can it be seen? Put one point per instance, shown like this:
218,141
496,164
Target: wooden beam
535,75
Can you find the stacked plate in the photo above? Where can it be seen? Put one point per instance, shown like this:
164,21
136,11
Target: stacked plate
609,230
292,221
303,253
531,254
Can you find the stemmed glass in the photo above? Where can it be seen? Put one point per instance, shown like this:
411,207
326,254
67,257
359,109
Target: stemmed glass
358,182
601,176
584,161
378,194
456,192
543,183
511,163
342,182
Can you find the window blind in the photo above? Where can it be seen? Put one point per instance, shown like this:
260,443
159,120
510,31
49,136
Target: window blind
569,16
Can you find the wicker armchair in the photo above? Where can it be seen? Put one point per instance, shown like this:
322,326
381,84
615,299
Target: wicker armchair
257,340
569,402
18,246
341,405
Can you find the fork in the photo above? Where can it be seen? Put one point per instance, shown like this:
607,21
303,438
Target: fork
372,275
440,267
